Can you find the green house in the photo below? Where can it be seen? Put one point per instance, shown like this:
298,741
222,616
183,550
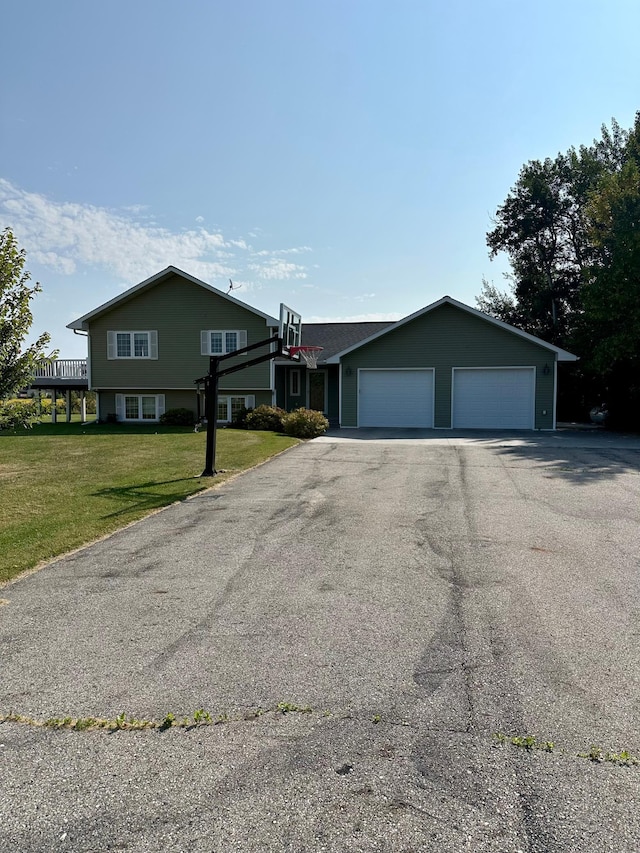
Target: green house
147,347
448,366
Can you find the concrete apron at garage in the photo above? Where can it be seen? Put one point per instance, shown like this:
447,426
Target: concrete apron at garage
417,595
566,436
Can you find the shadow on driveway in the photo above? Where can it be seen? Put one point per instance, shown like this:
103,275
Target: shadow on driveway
577,454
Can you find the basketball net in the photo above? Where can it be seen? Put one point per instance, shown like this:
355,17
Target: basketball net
308,354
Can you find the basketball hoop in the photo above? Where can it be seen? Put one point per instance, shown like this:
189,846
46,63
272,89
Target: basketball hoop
308,354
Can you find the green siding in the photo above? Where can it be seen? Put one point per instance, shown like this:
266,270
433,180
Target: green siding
178,310
289,402
286,399
445,338
175,399
333,412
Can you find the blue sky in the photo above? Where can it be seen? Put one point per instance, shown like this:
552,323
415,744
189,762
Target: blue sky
343,157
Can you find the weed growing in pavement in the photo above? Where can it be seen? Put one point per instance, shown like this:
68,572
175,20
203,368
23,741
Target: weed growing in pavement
623,758
120,722
168,721
200,717
288,707
527,742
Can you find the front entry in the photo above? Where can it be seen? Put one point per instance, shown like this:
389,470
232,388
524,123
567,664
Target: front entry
317,395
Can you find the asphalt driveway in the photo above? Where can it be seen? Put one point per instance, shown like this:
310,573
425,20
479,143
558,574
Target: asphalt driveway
419,593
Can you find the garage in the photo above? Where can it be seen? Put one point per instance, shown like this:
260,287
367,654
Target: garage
395,398
493,398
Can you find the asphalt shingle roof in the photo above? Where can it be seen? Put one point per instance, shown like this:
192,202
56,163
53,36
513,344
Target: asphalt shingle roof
335,337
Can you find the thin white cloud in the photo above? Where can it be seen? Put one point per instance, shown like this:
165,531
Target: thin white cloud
277,269
296,250
66,236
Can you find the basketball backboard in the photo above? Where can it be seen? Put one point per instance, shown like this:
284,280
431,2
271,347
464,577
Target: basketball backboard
290,331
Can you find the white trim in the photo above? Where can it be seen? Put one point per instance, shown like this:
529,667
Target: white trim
112,345
272,379
496,367
205,340
81,322
89,363
431,370
121,407
171,388
562,354
296,371
228,397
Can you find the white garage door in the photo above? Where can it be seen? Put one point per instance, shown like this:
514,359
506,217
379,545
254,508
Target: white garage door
395,398
496,398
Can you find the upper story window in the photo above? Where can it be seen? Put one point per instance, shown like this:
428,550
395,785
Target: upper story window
132,344
222,341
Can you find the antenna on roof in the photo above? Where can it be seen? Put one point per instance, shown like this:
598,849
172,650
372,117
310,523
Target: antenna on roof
231,286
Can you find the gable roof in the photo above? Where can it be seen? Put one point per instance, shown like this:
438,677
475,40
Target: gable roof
335,337
81,322
561,354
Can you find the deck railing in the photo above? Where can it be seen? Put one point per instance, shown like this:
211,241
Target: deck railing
63,368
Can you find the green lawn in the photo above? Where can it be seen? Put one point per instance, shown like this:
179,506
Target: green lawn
66,484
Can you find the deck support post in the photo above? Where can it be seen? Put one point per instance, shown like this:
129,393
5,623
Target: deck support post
83,406
67,406
54,414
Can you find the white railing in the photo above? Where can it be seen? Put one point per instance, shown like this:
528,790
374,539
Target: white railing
63,368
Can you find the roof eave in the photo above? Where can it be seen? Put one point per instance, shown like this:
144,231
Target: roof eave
82,322
562,355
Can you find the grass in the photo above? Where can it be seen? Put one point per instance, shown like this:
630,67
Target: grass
64,485
75,418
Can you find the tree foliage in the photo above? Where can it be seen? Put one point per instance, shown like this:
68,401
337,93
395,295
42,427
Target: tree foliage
17,361
570,228
612,291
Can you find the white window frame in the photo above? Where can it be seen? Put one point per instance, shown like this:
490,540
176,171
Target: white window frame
121,408
249,403
152,344
205,340
294,387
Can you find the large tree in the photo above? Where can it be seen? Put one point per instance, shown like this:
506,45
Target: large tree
611,294
543,227
570,228
17,360
609,330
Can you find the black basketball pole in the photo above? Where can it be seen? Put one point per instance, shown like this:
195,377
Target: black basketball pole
211,385
211,413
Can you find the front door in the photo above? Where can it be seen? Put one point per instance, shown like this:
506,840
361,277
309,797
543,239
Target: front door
318,390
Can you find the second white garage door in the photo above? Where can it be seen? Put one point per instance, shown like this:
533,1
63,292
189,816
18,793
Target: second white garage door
495,398
395,398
